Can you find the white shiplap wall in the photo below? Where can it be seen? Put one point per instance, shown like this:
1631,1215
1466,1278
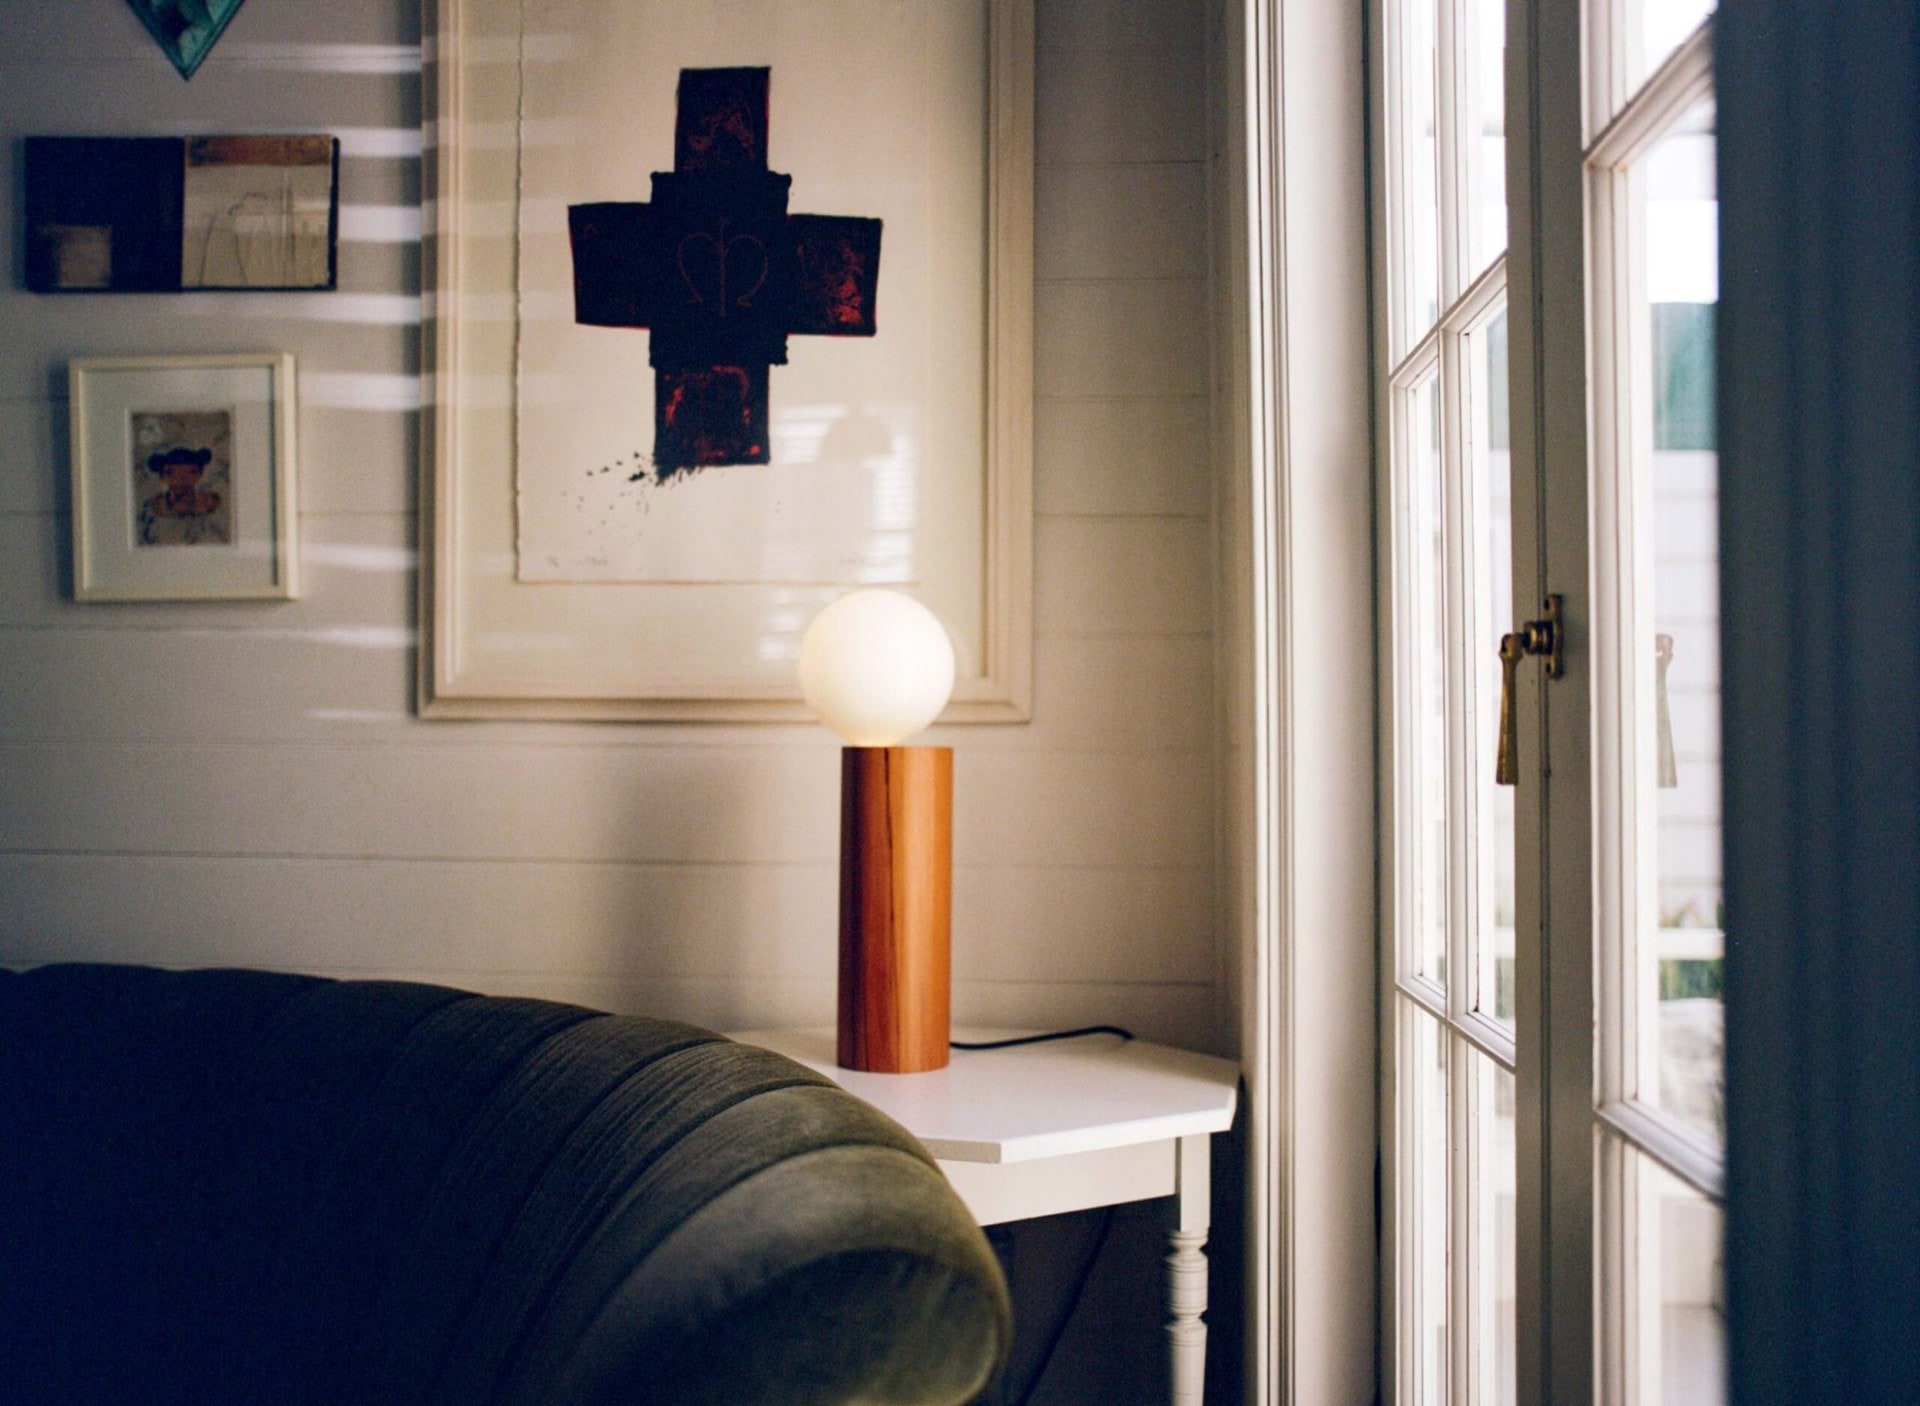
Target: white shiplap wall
192,784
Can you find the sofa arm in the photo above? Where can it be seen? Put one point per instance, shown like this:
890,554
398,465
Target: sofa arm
227,1187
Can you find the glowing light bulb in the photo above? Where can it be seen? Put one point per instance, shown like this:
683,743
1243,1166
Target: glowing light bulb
877,666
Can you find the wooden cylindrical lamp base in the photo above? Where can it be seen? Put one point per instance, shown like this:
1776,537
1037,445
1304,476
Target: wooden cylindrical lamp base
896,908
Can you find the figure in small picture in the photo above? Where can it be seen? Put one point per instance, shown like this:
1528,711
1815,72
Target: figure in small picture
183,491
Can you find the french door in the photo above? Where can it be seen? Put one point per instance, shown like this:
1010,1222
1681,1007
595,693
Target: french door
1551,914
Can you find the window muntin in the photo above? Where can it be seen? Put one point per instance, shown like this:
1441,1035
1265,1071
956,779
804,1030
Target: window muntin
1488,493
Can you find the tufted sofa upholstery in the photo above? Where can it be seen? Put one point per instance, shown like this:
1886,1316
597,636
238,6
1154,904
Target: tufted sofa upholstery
234,1186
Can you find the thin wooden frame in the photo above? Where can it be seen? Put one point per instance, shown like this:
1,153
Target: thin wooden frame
259,559
455,486
1625,1215
1622,607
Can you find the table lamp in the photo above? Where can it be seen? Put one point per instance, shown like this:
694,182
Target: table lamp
877,667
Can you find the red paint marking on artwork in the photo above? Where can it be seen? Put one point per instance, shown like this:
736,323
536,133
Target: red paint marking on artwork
845,282
733,121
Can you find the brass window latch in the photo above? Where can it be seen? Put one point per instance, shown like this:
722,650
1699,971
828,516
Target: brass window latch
1544,637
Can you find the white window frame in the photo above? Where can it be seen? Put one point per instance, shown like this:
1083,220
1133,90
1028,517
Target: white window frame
1293,439
1623,614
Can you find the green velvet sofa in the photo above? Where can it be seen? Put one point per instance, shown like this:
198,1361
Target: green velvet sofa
250,1187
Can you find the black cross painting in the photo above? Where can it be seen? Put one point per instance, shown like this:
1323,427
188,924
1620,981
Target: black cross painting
720,273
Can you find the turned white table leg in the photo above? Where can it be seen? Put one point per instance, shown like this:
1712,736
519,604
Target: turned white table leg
1187,1271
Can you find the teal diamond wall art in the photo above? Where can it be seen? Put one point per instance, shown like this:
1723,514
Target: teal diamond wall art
185,29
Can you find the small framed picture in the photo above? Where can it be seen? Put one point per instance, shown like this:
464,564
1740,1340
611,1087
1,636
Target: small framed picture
177,214
183,477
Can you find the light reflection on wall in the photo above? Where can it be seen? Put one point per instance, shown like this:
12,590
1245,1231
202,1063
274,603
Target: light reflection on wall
320,58
361,390
883,441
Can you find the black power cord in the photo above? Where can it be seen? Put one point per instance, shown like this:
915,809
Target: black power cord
1039,1039
1106,1218
1073,1306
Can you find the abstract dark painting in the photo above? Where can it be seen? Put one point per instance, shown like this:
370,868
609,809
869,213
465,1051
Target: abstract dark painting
720,273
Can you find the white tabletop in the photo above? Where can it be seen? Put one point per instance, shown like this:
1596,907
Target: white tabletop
1033,1101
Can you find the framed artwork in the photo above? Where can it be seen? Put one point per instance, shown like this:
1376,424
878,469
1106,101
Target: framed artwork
182,214
732,314
186,30
183,478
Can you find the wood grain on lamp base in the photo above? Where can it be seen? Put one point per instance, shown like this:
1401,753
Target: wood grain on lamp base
896,908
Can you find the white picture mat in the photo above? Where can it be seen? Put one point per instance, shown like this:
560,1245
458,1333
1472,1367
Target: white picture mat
876,464
499,645
108,563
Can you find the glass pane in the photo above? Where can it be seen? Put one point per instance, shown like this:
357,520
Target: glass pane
1424,1208
1679,1294
1423,663
1491,504
1494,1367
1655,28
1680,967
1418,176
1486,39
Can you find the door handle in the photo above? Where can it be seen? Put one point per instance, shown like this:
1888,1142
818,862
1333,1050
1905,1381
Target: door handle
1544,637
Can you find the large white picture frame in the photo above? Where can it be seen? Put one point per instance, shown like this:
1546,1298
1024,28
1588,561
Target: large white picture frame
661,634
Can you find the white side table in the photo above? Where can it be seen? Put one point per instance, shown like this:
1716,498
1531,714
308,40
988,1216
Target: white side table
1066,1126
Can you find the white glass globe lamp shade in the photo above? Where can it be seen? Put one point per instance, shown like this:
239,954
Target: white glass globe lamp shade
877,666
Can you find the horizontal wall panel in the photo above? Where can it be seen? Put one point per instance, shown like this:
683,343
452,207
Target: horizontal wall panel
137,687
1116,693
691,921
78,96
1122,457
33,457
374,334
1183,1015
1014,924
37,33
760,805
355,574
349,437
1138,221
717,922
345,444
1100,24
480,803
1120,339
1120,105
1123,575
1083,808
353,685
28,374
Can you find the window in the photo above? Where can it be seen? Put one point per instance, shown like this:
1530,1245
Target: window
1551,950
